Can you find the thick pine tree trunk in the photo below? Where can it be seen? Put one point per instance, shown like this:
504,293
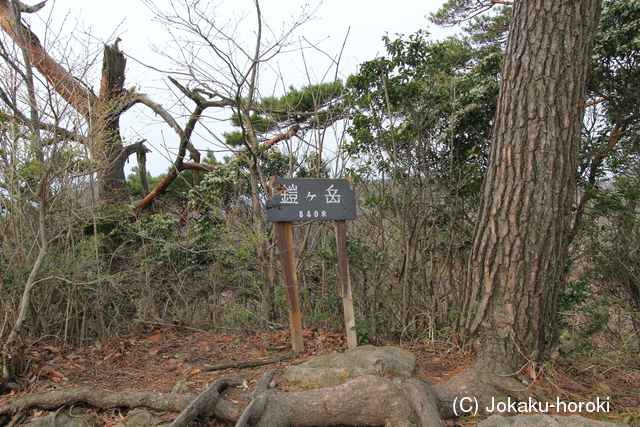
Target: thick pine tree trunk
520,241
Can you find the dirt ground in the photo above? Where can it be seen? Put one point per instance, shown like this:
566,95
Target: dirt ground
166,359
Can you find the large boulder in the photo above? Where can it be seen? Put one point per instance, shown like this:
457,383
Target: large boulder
334,369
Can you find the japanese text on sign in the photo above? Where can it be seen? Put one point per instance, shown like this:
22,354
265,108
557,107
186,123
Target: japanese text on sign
307,199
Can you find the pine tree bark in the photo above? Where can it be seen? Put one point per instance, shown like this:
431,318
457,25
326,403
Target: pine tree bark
524,218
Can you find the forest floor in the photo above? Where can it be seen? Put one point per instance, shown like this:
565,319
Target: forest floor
169,359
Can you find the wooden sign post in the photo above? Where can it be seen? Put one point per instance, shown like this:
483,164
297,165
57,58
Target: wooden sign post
344,281
284,237
301,199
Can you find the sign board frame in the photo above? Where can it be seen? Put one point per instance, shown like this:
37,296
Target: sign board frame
312,199
308,199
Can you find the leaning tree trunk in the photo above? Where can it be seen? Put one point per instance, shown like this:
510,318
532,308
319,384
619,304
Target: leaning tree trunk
520,241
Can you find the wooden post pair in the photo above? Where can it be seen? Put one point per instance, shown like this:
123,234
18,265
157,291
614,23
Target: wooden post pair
284,237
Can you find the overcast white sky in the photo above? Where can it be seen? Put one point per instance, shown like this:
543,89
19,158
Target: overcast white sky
365,22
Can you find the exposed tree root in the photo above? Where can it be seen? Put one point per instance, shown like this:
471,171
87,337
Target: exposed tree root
17,419
165,402
264,383
479,385
203,403
364,401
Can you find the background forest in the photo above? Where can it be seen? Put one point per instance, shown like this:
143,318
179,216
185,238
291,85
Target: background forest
86,252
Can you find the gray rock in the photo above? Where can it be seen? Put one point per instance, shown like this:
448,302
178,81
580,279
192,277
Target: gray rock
334,369
181,387
543,420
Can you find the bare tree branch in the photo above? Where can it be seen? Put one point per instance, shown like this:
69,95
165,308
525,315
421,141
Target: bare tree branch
31,9
62,133
283,137
137,147
166,181
158,109
195,96
618,131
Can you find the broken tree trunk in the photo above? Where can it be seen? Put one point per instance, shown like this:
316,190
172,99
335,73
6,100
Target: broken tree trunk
104,130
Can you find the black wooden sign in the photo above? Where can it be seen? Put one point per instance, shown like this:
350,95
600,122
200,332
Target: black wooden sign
311,199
